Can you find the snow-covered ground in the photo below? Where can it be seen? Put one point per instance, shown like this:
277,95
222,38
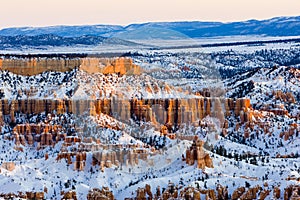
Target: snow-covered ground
237,71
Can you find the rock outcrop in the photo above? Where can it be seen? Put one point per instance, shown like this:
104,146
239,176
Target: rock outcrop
105,156
292,192
197,154
195,193
251,193
171,192
144,193
69,195
168,112
79,161
276,193
24,195
10,166
103,194
120,66
34,66
42,134
263,194
238,193
222,192
285,97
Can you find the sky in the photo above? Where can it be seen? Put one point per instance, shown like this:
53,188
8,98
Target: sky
18,13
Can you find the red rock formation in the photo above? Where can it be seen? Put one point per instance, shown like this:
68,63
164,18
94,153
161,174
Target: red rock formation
196,153
10,166
69,195
263,194
218,111
238,193
39,195
61,107
140,194
295,193
103,194
1,115
44,134
80,160
33,66
292,192
286,97
12,111
148,191
211,195
103,155
189,192
164,130
222,192
108,66
24,195
194,193
167,112
246,133
251,193
241,105
46,156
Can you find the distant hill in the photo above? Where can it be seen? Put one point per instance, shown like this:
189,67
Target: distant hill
18,41
63,31
279,26
149,32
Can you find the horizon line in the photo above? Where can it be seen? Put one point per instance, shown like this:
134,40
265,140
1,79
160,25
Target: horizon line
154,21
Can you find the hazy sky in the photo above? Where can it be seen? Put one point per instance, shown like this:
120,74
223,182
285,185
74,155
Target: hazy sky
69,12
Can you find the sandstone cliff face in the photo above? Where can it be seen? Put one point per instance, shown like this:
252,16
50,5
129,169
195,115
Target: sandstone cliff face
163,111
168,112
178,111
43,135
120,66
105,156
34,66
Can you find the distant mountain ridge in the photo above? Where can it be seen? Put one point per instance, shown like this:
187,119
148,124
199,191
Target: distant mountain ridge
278,26
63,31
19,41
